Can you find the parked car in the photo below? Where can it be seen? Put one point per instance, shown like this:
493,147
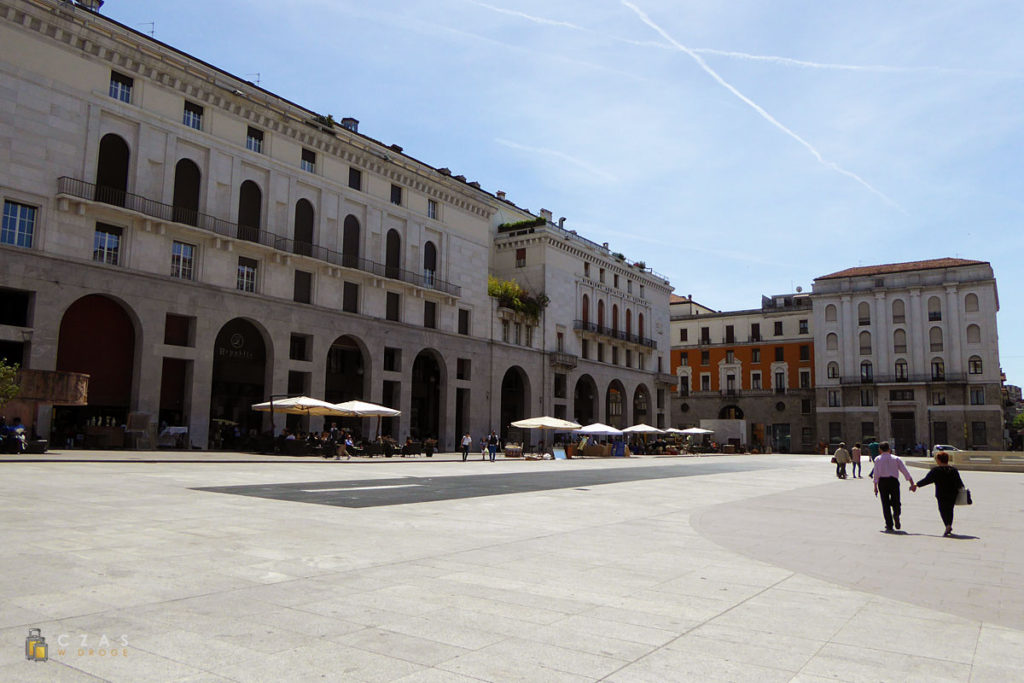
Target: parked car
944,447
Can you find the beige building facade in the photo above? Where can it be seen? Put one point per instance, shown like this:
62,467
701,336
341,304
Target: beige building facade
197,244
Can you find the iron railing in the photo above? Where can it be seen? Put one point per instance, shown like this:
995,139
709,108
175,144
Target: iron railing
614,334
177,214
905,379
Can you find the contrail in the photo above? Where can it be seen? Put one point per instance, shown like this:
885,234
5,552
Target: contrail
558,155
753,105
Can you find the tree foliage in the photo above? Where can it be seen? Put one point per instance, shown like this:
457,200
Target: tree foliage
510,295
8,381
1018,421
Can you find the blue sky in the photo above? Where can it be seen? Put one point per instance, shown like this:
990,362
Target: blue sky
739,148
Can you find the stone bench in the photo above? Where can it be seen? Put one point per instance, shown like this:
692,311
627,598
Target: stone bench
995,460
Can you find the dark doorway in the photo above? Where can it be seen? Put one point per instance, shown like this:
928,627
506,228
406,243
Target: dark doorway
97,337
303,243
393,255
112,170
186,192
904,432
461,412
730,412
584,400
781,438
514,398
250,207
425,414
239,370
615,405
350,242
175,385
641,405
344,379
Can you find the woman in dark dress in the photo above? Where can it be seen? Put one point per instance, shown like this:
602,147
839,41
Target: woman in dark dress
947,483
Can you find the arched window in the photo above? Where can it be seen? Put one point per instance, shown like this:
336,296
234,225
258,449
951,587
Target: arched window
833,370
350,242
600,313
934,309
899,311
640,324
830,313
429,262
250,207
186,192
615,318
832,342
303,241
393,255
971,303
863,313
938,368
629,322
899,341
112,170
902,370
973,334
974,365
867,371
865,343
935,339
585,308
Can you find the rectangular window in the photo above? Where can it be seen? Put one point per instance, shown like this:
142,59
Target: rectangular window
705,335
392,359
183,259
585,349
396,195
705,358
804,329
835,430
179,330
615,355
755,381
350,297
780,353
641,361
298,347
979,434
684,386
463,321
254,140
355,178
600,275
192,115
586,269
867,431
705,382
977,397
755,332
429,314
901,395
308,161
780,382
600,353
805,352
805,406
615,280
505,331
246,281
560,385
684,359
730,335
805,379
19,224
778,328
529,336
867,397
520,257
560,342
518,333
938,398
730,356
391,312
660,400
683,334
462,368
298,382
106,244
432,209
934,316
755,356
121,86
303,291
806,436
629,358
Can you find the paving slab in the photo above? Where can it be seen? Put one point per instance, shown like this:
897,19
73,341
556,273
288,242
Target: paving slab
237,567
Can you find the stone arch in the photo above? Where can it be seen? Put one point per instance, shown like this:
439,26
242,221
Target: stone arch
935,339
832,342
241,372
830,313
426,418
187,183
973,334
971,304
730,412
615,405
642,405
515,397
112,170
899,311
346,377
584,400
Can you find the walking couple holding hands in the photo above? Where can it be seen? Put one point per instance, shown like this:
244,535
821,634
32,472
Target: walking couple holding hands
946,478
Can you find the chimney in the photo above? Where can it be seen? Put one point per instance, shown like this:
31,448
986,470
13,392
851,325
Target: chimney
349,123
561,222
500,194
546,215
605,245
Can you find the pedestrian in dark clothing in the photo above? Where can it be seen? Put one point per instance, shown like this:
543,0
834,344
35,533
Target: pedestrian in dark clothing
492,445
947,484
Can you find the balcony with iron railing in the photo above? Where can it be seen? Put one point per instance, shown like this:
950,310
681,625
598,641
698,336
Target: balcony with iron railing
80,189
585,326
959,377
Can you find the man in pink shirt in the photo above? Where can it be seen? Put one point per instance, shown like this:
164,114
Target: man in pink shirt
886,476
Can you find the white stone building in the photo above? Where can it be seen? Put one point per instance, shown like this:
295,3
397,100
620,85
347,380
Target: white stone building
908,352
197,244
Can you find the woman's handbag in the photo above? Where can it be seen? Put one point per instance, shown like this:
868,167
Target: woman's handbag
833,460
963,496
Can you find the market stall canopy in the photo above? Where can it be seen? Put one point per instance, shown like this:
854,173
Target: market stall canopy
642,429
546,422
364,409
299,405
598,429
697,430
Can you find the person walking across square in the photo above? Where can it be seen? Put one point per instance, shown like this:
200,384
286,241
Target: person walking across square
888,467
947,483
492,445
855,459
467,441
842,456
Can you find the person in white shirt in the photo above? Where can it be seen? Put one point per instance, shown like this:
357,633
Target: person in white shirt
888,467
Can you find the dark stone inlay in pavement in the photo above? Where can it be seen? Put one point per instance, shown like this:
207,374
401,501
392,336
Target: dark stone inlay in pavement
362,493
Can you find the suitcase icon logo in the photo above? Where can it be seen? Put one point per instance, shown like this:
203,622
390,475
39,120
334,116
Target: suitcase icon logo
35,646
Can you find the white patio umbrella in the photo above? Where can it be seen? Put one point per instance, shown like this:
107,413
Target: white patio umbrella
598,429
697,430
545,422
357,408
642,429
298,405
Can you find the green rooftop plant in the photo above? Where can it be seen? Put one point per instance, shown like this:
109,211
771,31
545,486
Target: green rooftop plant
510,295
519,225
